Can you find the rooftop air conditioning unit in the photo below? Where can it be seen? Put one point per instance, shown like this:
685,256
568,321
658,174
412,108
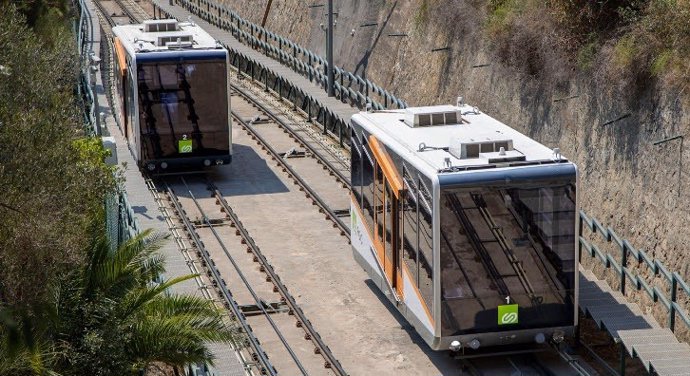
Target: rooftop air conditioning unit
432,116
476,149
157,26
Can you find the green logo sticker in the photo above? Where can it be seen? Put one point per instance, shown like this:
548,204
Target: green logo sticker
184,146
508,314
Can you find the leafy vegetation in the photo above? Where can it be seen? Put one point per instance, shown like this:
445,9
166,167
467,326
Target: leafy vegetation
648,37
112,317
46,209
69,304
421,17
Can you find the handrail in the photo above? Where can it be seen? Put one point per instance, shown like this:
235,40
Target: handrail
628,252
300,59
85,42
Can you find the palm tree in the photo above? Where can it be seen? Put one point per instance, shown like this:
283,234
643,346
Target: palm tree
115,316
24,348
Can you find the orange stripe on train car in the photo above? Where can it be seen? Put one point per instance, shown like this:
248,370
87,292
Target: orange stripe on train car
120,53
387,166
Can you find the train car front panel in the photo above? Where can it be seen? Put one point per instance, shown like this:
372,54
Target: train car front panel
507,256
183,114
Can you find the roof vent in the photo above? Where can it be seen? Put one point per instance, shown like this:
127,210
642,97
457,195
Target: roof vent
432,116
503,157
175,41
156,26
469,150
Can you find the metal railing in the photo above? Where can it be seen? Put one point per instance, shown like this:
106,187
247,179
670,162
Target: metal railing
350,88
85,32
619,264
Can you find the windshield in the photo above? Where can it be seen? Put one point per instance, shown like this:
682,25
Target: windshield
507,257
181,103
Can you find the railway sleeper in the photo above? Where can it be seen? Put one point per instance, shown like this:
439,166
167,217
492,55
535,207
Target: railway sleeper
270,308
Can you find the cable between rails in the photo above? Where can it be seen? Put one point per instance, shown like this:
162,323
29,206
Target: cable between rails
333,363
253,341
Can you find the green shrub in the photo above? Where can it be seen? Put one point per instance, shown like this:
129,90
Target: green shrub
660,64
421,17
587,53
501,14
625,52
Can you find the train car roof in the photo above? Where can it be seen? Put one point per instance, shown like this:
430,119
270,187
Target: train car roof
444,139
164,35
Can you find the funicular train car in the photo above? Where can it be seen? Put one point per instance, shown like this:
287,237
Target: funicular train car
466,225
172,82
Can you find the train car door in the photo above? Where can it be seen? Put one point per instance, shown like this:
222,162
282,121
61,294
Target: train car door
122,85
388,188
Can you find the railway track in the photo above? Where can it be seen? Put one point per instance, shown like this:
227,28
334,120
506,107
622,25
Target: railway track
259,300
133,10
268,130
319,145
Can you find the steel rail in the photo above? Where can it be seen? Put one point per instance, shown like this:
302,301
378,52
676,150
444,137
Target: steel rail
261,355
127,12
104,14
322,348
339,174
337,222
140,15
240,274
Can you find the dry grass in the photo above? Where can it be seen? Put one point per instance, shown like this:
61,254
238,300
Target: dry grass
623,39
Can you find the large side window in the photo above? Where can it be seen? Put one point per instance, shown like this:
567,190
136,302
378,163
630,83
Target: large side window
356,169
368,187
426,243
410,226
131,103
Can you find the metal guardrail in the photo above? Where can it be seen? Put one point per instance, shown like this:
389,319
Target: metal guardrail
620,265
85,31
291,54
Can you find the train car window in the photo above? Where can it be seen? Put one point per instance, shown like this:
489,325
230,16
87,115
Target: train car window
511,245
388,225
426,244
379,202
131,105
356,171
410,230
183,100
368,188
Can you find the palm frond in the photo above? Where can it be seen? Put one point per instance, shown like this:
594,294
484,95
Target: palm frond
140,297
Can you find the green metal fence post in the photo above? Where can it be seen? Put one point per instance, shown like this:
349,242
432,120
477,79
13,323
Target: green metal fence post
672,310
624,265
622,369
579,244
